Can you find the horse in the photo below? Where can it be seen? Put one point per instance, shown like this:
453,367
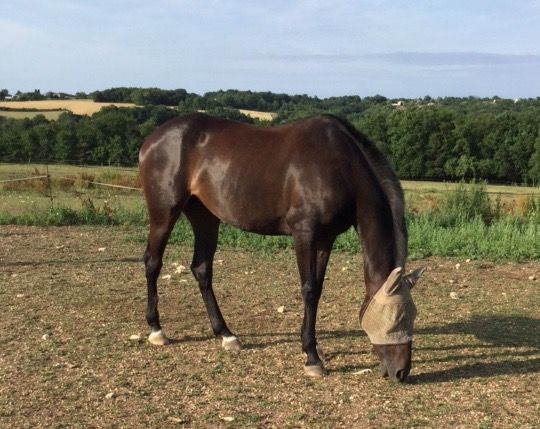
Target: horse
312,179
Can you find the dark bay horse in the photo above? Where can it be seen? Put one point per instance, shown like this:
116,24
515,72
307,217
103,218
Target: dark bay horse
312,180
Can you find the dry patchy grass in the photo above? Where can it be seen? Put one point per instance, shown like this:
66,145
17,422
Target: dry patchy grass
441,187
69,184
69,311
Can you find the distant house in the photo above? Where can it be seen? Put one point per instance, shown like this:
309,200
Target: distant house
400,103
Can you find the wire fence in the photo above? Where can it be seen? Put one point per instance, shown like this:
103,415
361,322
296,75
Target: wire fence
31,188
50,177
133,169
21,179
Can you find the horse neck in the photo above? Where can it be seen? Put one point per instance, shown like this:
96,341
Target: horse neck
381,244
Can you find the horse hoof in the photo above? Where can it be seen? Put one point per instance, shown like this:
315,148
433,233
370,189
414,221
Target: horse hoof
315,371
158,338
231,344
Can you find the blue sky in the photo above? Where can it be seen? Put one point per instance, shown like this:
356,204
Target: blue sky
324,48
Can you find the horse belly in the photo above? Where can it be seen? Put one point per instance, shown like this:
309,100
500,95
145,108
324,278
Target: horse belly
245,203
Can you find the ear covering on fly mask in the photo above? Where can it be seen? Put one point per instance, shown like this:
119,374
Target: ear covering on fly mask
389,316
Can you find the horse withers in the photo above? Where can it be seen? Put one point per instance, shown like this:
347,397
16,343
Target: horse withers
312,179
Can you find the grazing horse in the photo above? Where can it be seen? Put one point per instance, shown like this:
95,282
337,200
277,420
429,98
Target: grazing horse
312,179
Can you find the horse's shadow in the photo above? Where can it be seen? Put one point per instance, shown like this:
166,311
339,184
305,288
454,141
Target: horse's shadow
497,334
499,331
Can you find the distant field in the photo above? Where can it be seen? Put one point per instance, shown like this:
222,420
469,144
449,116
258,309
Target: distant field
20,114
52,109
437,187
422,196
409,186
78,107
262,116
11,170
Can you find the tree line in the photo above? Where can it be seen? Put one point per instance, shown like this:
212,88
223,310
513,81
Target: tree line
492,139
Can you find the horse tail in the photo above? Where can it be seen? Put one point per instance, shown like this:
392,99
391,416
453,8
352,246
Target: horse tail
389,183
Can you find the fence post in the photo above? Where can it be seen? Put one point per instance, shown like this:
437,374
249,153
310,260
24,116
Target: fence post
49,187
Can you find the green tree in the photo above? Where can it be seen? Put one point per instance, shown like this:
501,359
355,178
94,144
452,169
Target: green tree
534,163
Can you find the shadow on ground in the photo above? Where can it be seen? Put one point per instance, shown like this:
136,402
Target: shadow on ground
498,330
497,334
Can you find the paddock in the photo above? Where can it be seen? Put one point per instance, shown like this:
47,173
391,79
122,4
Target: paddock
74,349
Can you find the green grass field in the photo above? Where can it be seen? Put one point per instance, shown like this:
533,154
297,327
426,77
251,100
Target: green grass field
70,187
420,196
444,219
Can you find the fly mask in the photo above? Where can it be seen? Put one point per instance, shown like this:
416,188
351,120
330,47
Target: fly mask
389,316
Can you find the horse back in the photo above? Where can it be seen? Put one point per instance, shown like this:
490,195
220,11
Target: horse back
261,179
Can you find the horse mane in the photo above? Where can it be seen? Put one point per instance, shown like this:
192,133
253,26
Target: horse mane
388,182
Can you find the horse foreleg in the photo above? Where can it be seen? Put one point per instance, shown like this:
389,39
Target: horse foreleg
312,261
205,228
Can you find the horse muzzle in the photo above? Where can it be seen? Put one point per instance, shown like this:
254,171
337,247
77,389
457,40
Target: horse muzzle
395,360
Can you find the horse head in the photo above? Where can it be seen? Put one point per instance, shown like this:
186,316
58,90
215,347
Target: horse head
388,319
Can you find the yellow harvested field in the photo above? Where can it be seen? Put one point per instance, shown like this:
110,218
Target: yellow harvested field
88,107
78,107
262,116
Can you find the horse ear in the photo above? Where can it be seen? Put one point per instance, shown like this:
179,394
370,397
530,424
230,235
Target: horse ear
411,278
392,283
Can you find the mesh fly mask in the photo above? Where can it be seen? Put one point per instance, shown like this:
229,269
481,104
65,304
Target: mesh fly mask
389,316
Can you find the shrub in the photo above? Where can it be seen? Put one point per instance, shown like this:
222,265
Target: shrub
468,202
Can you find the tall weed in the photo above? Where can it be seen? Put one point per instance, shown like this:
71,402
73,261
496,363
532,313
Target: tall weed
528,208
467,203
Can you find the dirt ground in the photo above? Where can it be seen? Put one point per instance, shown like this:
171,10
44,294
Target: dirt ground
74,352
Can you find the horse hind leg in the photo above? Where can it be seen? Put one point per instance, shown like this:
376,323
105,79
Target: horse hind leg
161,224
205,228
